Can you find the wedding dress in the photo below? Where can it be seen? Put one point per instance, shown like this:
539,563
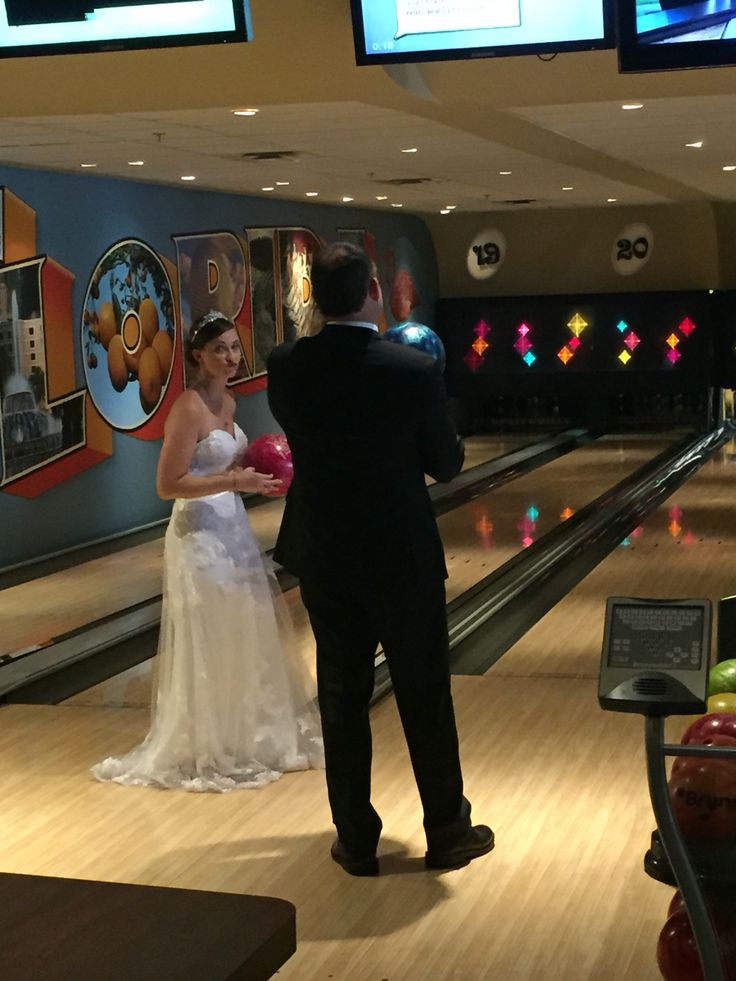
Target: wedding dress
230,710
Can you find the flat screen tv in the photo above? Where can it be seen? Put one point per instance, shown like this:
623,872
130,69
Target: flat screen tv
389,31
37,27
655,35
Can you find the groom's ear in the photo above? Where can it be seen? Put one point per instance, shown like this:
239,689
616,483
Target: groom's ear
374,288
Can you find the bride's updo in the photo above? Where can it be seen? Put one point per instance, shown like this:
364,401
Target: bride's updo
202,331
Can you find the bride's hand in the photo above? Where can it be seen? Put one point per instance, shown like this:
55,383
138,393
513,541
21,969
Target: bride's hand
249,481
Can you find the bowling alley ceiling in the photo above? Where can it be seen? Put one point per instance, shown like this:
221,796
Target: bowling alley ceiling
501,134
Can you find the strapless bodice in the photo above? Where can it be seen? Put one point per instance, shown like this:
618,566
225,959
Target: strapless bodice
218,451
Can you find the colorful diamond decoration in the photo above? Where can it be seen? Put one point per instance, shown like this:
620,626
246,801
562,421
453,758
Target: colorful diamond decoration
631,340
480,346
624,357
577,325
673,340
686,326
523,329
567,513
522,346
532,513
530,358
481,329
527,540
565,355
673,356
473,360
574,343
622,326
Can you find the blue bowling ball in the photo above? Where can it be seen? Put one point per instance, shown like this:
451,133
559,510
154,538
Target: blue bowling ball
419,336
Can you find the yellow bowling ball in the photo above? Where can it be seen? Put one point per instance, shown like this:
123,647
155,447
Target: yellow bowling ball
723,702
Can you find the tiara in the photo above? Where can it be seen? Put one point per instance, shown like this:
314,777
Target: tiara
208,318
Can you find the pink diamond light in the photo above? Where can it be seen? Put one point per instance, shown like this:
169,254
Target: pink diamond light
522,346
686,326
673,356
573,343
481,329
473,360
631,340
523,330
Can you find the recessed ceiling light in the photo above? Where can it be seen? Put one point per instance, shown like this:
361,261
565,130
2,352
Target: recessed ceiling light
136,163
188,177
568,188
410,149
730,167
312,194
245,112
612,200
282,183
451,207
395,205
382,197
270,187
446,211
346,198
88,165
505,173
633,105
697,144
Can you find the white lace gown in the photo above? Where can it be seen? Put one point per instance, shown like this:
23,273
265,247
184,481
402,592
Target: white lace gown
230,710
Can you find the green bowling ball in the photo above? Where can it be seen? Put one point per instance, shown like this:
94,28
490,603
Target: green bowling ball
722,677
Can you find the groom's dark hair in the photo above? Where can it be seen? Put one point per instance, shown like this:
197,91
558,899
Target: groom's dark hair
340,276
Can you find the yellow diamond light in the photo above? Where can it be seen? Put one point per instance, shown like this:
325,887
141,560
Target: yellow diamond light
480,346
577,325
673,340
624,357
564,355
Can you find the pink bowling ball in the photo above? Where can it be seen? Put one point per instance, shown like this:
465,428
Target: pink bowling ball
271,454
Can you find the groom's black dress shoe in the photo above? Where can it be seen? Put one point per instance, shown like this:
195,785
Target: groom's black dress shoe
476,841
367,865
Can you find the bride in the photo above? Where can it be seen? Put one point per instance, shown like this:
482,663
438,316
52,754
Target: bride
229,711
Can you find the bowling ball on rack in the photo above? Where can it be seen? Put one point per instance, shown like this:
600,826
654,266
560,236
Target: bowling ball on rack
703,730
723,702
271,454
703,794
677,953
722,677
420,337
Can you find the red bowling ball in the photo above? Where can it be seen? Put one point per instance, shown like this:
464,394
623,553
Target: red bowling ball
271,454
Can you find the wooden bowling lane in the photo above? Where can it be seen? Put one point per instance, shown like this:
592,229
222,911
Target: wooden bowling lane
472,551
687,547
36,611
488,531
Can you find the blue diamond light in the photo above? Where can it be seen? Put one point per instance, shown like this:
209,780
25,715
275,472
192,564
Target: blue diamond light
532,513
622,326
530,358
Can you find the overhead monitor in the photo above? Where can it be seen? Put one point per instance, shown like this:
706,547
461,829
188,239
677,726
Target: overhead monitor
661,34
37,27
429,30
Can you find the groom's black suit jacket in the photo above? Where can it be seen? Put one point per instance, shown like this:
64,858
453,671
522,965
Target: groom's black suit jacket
365,419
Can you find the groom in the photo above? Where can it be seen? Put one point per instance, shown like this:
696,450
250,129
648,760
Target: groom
366,419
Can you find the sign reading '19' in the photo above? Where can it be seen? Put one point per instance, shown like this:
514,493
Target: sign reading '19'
486,253
632,249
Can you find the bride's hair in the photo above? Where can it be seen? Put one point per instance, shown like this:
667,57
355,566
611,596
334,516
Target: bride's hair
202,331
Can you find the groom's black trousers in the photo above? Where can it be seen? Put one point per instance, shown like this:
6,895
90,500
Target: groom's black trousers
349,621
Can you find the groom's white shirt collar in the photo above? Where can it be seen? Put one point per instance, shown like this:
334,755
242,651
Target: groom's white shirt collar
355,323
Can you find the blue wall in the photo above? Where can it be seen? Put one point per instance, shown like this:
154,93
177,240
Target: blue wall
78,219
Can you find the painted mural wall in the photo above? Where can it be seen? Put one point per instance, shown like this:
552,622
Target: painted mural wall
100,280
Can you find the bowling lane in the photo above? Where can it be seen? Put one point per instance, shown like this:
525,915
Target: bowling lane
472,548
36,611
488,531
687,547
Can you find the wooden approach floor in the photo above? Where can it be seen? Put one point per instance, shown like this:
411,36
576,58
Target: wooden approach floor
562,898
